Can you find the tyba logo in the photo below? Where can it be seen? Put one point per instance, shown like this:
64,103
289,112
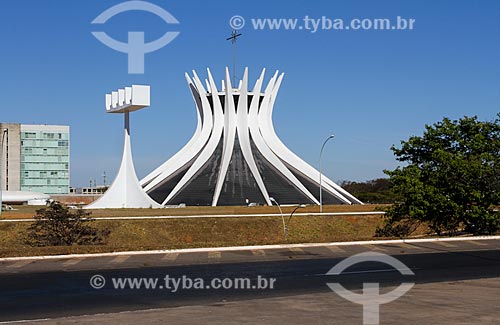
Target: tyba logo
136,48
371,299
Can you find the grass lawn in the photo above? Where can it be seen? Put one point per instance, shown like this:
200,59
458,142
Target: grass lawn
26,212
206,232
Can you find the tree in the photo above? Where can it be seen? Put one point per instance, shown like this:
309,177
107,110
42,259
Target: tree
451,181
372,191
56,225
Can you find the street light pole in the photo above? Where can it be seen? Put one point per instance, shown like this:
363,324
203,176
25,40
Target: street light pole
4,132
282,217
320,173
290,217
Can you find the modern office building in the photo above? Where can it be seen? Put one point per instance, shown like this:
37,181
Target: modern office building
235,156
36,158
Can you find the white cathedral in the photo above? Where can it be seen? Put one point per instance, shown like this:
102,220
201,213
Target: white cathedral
235,156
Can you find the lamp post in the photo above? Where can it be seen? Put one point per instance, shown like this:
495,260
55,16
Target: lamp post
4,132
290,217
320,173
282,217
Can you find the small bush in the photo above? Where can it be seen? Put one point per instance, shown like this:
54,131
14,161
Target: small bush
56,225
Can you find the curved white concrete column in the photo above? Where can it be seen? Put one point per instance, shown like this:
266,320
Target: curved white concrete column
212,143
190,150
229,137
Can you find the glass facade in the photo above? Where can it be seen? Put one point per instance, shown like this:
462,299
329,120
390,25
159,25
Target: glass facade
45,159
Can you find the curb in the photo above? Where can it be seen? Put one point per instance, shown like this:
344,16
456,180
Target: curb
303,214
244,248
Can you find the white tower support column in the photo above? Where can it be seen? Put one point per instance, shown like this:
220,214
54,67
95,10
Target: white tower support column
126,192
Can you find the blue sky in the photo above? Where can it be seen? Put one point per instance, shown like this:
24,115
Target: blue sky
370,88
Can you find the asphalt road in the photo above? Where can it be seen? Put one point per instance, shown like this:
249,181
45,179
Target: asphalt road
51,289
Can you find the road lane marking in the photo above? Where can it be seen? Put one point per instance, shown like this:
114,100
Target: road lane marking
120,259
258,252
214,255
375,248
445,244
368,271
170,257
335,249
296,250
72,262
18,264
476,243
410,246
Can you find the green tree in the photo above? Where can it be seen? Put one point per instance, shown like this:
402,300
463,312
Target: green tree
450,181
56,225
372,191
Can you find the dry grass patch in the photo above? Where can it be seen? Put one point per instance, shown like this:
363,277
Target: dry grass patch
207,232
26,212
